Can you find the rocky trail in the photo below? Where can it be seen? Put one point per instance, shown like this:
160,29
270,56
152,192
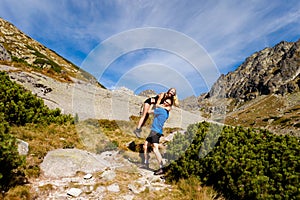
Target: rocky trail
78,174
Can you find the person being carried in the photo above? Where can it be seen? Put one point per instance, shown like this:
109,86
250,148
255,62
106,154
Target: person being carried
150,102
161,114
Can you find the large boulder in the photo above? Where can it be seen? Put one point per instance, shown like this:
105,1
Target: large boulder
66,162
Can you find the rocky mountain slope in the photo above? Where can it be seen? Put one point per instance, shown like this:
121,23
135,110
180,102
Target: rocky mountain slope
270,71
23,51
261,92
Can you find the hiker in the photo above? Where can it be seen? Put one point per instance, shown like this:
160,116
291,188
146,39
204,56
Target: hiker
161,114
150,102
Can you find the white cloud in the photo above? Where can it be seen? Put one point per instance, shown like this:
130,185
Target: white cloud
228,31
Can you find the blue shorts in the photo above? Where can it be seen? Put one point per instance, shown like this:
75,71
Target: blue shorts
153,137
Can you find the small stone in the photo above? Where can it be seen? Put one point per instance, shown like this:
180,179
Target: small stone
88,176
23,147
108,175
75,192
113,188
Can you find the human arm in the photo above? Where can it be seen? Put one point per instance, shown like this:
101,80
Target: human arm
175,101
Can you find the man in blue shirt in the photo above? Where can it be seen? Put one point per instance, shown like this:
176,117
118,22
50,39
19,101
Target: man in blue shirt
161,114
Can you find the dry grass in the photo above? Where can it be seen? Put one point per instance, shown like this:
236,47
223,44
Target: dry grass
256,112
276,113
23,67
18,193
185,189
42,139
192,189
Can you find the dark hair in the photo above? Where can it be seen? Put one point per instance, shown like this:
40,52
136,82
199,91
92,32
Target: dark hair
171,98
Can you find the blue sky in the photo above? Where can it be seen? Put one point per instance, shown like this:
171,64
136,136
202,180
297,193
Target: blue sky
157,44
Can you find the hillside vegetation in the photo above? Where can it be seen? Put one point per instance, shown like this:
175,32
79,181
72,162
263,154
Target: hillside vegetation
242,163
25,116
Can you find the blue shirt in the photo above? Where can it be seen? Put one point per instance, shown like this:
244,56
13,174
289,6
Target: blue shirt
160,117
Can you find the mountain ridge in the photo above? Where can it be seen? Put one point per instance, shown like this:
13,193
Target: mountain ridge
271,70
263,88
35,56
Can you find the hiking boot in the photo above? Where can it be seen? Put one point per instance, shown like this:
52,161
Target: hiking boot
145,166
159,172
137,132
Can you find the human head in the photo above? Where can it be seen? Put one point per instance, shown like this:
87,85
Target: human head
168,102
171,92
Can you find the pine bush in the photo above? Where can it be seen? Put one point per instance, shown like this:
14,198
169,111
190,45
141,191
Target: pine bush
21,106
242,163
12,165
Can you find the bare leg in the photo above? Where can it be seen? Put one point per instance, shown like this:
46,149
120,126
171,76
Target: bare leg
146,152
157,154
143,117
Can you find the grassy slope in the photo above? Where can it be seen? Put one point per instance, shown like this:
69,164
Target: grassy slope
278,114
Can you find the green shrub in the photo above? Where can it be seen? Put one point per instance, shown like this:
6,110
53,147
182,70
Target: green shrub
297,125
12,165
243,163
21,106
43,61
